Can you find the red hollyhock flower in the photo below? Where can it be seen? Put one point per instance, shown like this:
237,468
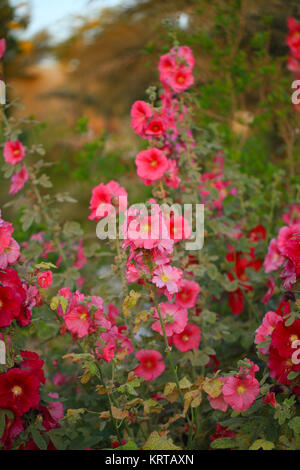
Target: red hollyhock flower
10,279
12,429
33,364
188,293
236,301
293,38
10,305
19,391
270,398
283,336
221,431
280,367
151,364
188,339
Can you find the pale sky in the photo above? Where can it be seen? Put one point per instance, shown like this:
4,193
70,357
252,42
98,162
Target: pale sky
56,15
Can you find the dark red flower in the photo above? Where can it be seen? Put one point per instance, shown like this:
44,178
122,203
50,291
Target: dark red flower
19,391
34,364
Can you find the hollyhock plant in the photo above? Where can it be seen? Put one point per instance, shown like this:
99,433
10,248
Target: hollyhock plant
173,316
19,391
292,216
106,196
217,402
13,152
188,339
151,364
151,164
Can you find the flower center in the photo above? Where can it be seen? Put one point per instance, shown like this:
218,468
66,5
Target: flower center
165,278
17,390
180,79
241,389
148,365
16,152
83,317
154,163
1,303
185,338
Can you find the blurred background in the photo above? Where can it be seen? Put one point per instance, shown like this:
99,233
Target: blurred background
76,66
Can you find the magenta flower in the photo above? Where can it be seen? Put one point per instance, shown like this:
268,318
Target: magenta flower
14,152
18,181
151,364
174,319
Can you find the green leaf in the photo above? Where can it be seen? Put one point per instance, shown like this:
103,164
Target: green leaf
38,439
224,443
262,444
157,442
294,424
130,445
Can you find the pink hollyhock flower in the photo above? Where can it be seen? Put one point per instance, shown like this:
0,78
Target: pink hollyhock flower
151,164
6,231
185,53
179,228
105,197
168,277
218,403
293,38
19,391
288,274
2,47
81,259
100,197
106,347
270,398
132,273
151,364
167,63
10,254
188,293
155,127
78,321
140,113
174,319
119,197
14,152
188,339
293,65
170,177
180,80
221,431
293,214
18,181
270,291
264,331
45,279
285,233
240,392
